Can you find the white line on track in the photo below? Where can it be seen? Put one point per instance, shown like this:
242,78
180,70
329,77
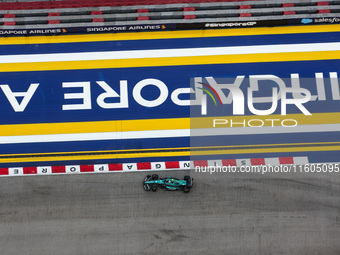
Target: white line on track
165,53
167,133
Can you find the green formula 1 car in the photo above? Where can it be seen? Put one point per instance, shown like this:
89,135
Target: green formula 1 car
152,182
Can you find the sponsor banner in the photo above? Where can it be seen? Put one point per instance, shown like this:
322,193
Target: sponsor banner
272,97
260,23
87,30
116,94
119,113
317,21
234,24
169,27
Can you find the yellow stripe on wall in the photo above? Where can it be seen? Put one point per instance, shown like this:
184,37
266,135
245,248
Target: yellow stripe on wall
169,61
154,124
94,127
172,152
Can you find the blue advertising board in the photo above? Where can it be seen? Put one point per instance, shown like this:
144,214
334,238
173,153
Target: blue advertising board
137,97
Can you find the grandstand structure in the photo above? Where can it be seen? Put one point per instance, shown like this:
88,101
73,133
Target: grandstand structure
172,14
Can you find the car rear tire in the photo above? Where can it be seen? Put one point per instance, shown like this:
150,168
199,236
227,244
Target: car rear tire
154,188
186,189
155,177
188,179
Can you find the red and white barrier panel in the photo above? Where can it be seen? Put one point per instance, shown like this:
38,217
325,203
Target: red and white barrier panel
146,166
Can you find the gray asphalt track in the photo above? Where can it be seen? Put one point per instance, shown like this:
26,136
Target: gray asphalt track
112,214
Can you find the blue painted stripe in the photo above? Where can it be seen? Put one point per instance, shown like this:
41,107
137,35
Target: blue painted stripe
313,156
95,145
170,143
324,156
92,162
265,139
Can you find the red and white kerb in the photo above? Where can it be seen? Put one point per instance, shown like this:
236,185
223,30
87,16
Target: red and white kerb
147,166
